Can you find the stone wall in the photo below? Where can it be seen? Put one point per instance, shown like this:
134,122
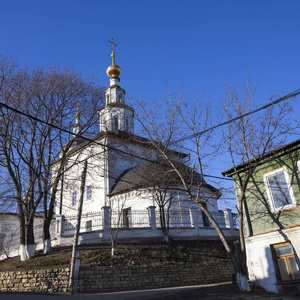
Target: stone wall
117,278
104,279
40,281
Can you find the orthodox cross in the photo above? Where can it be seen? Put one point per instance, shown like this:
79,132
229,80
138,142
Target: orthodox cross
112,44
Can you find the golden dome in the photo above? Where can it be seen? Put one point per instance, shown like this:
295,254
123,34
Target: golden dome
113,71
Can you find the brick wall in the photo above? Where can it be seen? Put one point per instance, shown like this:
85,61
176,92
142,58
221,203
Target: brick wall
117,278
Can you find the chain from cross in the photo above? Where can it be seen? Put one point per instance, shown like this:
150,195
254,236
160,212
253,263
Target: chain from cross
112,44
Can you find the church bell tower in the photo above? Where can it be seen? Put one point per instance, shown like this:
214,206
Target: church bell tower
115,115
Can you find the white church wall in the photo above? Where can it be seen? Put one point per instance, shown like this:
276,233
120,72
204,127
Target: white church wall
179,211
94,194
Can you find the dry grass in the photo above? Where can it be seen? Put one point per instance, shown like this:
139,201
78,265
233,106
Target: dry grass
150,253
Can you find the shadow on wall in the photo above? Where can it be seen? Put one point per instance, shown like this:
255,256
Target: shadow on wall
262,272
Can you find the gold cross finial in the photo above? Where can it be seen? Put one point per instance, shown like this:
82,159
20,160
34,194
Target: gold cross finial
77,116
112,49
112,44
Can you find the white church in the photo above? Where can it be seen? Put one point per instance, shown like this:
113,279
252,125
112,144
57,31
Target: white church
129,187
130,191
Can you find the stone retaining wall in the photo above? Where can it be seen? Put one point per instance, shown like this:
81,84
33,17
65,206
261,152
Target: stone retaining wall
104,279
117,278
40,281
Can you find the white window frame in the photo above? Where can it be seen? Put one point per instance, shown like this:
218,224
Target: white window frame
269,191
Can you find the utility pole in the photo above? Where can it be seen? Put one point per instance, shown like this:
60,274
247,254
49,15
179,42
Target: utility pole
74,270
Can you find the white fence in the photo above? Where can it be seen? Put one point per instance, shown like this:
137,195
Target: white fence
90,221
97,227
150,218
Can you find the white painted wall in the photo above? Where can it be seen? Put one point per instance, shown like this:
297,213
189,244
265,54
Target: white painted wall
140,200
10,232
259,257
94,177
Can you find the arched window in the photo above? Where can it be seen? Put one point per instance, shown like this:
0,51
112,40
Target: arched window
107,99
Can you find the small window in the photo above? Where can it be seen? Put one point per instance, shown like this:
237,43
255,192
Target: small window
89,192
115,123
204,216
285,263
74,198
88,225
279,189
127,217
126,124
107,99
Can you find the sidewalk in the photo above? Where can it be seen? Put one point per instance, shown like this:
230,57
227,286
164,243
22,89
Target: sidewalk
220,291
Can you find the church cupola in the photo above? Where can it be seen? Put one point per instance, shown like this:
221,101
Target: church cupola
77,127
115,115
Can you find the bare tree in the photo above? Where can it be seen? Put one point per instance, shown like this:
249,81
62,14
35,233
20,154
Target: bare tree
37,110
247,140
182,126
117,220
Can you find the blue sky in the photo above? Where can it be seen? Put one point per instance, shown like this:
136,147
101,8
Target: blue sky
193,43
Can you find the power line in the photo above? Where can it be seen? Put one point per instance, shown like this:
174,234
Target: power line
69,132
290,95
90,140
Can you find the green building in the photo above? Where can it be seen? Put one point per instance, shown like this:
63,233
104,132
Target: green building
272,216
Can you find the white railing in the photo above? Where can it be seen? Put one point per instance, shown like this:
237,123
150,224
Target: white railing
175,219
129,219
90,221
93,221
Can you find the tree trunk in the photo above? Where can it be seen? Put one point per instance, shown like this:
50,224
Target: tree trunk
22,251
46,235
164,227
77,226
30,246
27,245
235,256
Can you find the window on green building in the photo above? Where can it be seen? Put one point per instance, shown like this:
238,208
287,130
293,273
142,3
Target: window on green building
279,189
285,262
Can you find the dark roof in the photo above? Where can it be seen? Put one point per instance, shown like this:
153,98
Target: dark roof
158,174
282,150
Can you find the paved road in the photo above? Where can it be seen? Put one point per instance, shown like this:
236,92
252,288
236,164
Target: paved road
191,293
